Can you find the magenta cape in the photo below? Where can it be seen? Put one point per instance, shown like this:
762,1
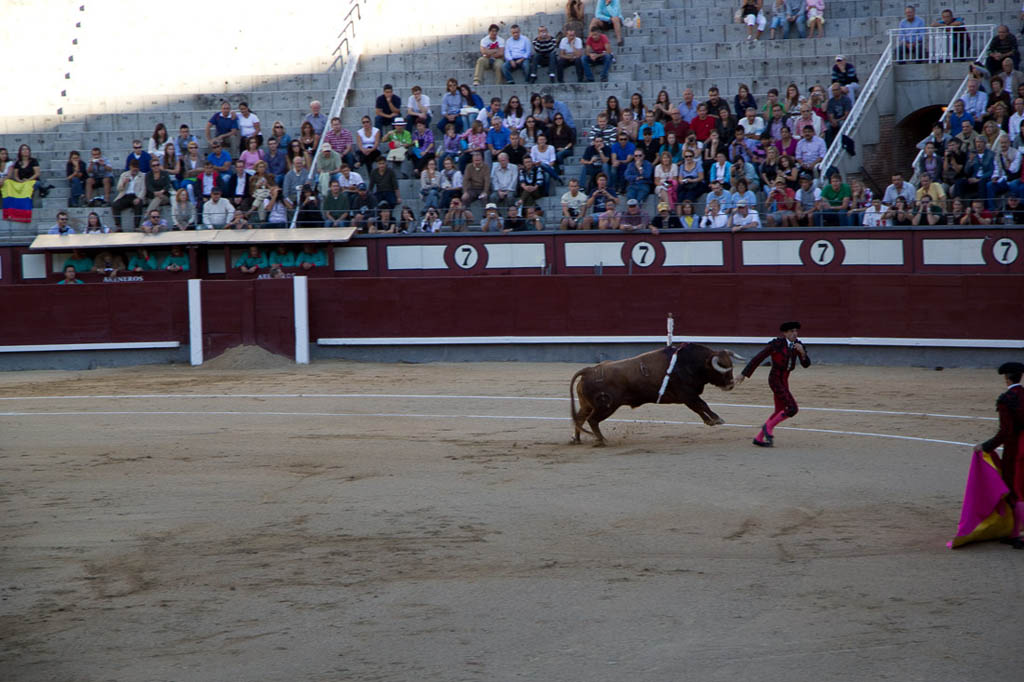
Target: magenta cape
986,514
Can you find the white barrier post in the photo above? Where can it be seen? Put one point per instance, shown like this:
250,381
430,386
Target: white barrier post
301,303
195,322
671,323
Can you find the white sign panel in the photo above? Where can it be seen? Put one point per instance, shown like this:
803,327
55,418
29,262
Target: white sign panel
350,258
772,252
417,257
873,251
515,255
953,252
589,254
694,253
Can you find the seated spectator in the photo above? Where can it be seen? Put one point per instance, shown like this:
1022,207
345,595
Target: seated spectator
281,257
75,172
810,150
107,264
158,188
663,107
928,213
596,160
688,106
666,175
602,129
517,53
369,139
975,103
276,160
458,218
491,222
451,182
1013,211
93,224
206,182
476,143
170,164
543,155
70,276
384,185
362,208
451,108
597,51
720,171
314,118
516,150
621,156
570,53
977,173
776,17
310,258
176,261
573,206
192,166
476,181
251,261
252,154
294,180
808,199
217,212
399,141
780,205
183,140
430,185
1003,46
423,148
98,171
741,192
691,185
553,106
236,189
492,53
930,161
677,126
860,199
545,52
431,221
715,215
997,96
751,14
899,214
665,220
417,108
608,17
328,164
248,126
183,211
221,160
639,177
131,190
845,74
649,145
308,141
61,227
562,138
222,128
633,218
387,108
600,207
899,188
532,186
720,194
335,206
153,224
815,18
744,149
657,130
498,136
743,218
703,125
504,181
954,162
271,211
874,214
795,19
932,190
835,198
838,109
751,124
142,261
629,126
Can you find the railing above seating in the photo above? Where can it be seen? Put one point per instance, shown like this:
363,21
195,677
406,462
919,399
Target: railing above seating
939,44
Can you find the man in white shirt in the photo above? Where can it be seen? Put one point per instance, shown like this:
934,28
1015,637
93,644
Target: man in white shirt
348,180
807,199
492,53
975,101
810,150
518,51
573,203
504,181
131,190
570,51
743,218
898,188
217,212
1016,118
417,108
752,124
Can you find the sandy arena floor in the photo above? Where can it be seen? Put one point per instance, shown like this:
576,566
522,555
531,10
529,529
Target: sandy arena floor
217,526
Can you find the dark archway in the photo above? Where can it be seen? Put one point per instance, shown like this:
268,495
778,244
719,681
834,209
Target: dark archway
911,130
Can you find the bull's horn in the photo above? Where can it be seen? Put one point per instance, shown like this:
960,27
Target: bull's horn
718,367
735,355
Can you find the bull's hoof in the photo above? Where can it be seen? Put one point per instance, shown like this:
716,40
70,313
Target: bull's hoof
600,444
717,421
575,440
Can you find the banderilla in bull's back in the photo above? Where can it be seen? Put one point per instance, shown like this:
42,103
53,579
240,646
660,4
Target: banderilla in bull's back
673,374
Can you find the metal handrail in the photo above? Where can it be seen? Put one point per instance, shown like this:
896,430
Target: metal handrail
949,107
938,44
865,96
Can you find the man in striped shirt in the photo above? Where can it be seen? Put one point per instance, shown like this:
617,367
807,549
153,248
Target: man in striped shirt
544,46
340,140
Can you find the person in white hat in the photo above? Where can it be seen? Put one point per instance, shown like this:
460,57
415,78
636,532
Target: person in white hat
399,140
743,217
491,222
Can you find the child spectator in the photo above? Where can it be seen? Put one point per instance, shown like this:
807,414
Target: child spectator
544,54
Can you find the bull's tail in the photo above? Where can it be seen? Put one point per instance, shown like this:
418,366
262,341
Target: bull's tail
572,402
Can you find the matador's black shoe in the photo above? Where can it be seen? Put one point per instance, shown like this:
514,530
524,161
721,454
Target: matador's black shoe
762,443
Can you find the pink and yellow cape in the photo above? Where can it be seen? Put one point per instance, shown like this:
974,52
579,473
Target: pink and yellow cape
986,513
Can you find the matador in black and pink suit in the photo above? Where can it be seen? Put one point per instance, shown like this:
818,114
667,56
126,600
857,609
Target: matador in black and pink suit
784,352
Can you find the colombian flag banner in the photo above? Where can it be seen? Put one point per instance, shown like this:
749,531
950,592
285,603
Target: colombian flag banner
18,200
986,514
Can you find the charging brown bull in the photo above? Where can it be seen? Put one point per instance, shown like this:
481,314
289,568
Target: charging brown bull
604,388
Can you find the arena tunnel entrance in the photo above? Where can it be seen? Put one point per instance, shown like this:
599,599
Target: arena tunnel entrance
911,130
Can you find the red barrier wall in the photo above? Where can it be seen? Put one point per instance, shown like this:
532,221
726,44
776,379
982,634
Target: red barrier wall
239,312
48,313
910,306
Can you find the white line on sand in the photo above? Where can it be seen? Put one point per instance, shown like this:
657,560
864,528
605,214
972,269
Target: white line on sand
392,415
415,396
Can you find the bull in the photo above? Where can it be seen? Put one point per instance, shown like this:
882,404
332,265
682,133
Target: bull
673,374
